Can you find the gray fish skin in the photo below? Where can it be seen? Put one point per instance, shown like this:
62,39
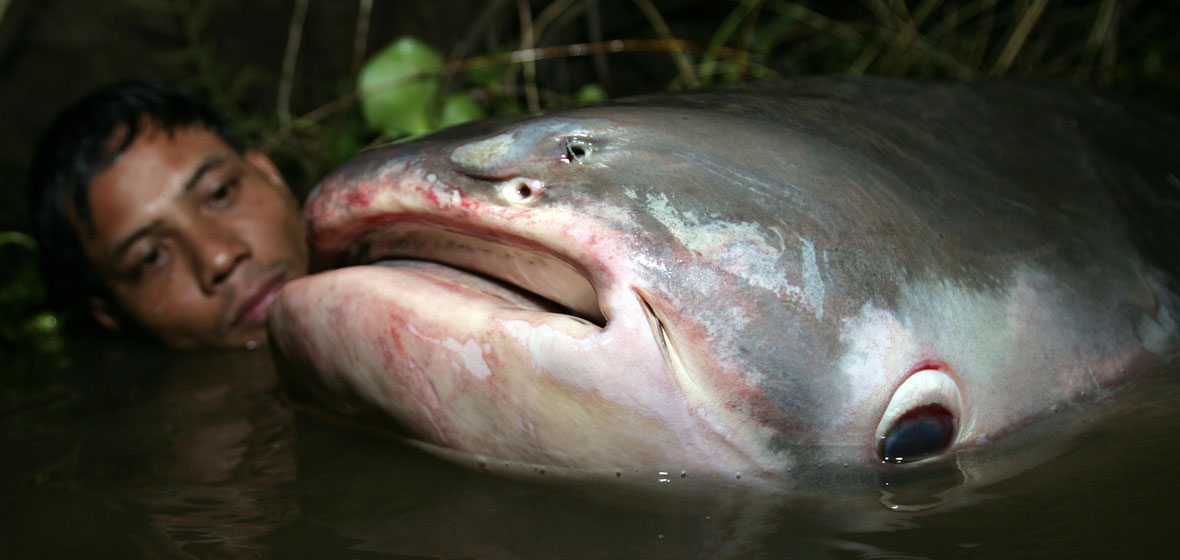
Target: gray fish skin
742,284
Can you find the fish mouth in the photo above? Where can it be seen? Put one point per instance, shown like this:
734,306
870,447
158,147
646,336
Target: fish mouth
511,270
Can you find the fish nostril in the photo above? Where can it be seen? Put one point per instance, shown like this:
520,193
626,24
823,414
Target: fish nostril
521,190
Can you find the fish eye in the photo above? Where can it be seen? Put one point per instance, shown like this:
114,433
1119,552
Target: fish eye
921,420
919,433
577,150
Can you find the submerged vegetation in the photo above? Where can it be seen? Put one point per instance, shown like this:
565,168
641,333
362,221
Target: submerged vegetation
521,56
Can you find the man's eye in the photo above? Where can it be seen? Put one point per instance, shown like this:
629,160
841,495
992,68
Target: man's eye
147,260
223,194
150,257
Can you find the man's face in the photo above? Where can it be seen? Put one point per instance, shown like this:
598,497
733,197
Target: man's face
193,239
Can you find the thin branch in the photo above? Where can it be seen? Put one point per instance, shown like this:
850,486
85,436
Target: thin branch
1019,36
528,41
360,41
294,39
661,27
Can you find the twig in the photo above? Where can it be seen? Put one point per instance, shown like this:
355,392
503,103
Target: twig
360,42
661,27
528,41
1019,36
1102,40
314,116
594,29
294,38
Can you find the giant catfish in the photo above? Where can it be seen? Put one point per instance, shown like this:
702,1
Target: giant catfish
746,284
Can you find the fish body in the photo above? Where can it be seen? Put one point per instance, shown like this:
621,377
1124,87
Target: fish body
746,283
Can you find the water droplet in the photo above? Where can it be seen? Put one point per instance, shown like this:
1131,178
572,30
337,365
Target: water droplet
683,474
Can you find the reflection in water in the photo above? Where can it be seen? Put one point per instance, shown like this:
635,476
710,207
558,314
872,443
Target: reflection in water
197,456
221,461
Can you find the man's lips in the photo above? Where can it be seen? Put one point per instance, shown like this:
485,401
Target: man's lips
252,311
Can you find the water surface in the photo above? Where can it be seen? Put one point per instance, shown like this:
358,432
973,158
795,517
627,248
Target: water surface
140,453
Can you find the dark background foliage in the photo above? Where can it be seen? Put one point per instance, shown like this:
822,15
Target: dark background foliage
285,70
233,53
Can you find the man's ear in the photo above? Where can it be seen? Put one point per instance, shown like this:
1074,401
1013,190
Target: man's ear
105,313
268,168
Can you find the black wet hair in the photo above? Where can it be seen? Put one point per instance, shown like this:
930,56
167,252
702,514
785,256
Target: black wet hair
85,139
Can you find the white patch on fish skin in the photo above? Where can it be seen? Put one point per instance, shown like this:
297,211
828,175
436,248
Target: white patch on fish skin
472,356
470,352
877,344
648,262
813,282
581,235
741,249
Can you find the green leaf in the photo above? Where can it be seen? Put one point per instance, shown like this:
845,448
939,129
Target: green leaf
458,109
590,93
399,87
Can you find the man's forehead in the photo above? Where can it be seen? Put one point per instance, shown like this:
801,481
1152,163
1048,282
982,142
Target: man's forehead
148,176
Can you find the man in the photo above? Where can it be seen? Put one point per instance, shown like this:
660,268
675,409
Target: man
150,213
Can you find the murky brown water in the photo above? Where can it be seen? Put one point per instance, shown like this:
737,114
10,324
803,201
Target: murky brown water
199,456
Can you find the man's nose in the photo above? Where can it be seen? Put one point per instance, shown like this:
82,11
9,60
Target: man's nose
217,251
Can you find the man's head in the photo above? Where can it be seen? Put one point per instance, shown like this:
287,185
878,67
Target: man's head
149,211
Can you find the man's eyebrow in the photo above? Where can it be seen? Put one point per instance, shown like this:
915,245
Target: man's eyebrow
206,164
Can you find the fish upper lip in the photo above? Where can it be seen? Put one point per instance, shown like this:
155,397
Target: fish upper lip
247,312
517,253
